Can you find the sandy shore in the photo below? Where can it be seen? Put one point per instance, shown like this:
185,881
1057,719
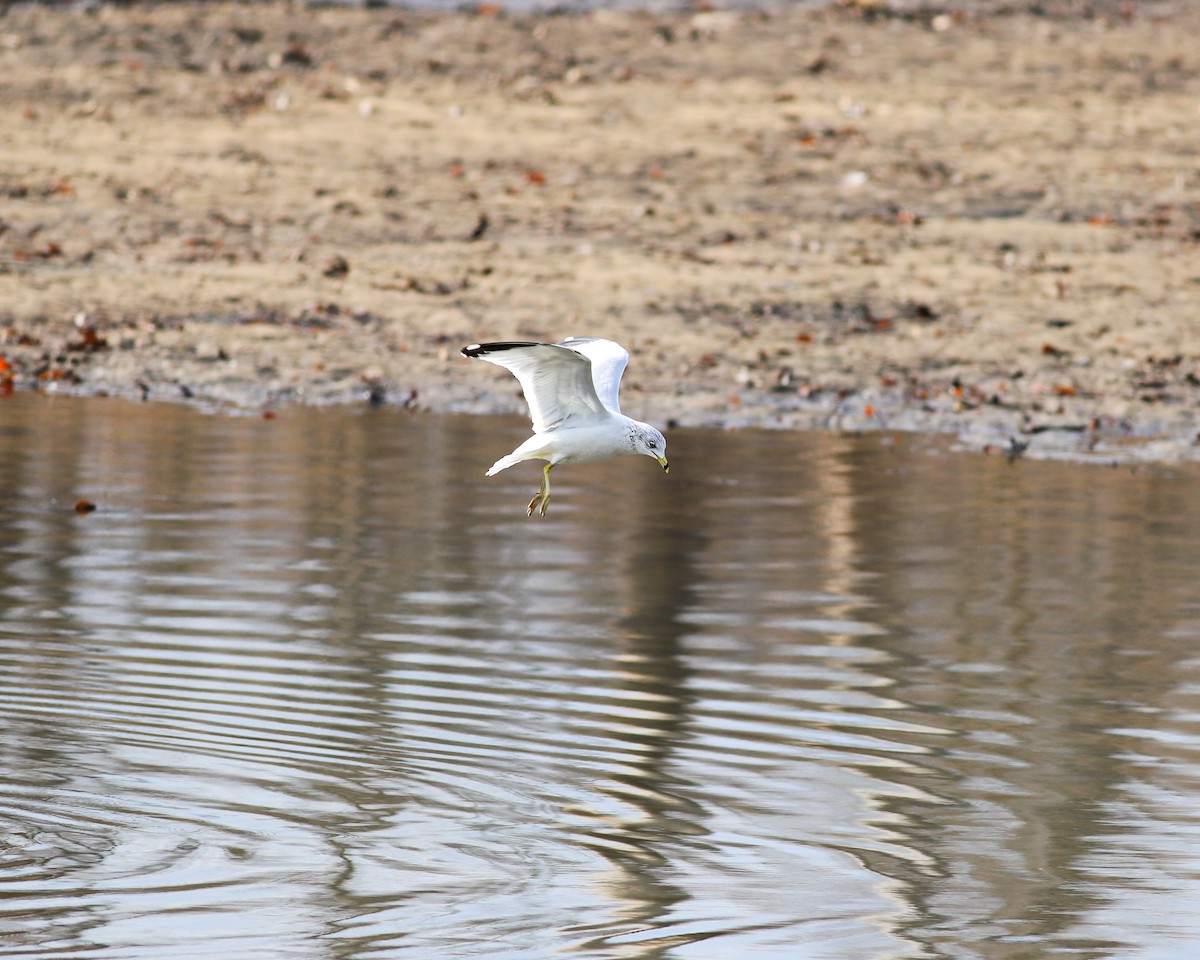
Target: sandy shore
985,224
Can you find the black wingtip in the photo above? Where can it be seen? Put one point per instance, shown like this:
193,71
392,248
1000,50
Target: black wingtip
479,349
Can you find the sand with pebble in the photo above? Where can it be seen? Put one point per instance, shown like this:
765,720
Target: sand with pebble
983,223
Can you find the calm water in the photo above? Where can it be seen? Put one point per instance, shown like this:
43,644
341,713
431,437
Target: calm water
312,687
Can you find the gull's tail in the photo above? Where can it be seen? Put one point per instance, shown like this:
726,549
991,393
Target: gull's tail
503,464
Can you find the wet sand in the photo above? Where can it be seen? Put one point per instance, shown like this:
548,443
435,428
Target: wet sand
986,223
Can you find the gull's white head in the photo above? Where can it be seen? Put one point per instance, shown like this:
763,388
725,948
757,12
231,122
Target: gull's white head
647,441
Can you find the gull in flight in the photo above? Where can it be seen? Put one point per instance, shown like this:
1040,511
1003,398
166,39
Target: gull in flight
571,388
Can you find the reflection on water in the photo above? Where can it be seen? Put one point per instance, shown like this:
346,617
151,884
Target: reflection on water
312,687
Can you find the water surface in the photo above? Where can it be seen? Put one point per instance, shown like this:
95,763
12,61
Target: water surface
312,687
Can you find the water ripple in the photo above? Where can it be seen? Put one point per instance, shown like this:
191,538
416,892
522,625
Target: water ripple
310,687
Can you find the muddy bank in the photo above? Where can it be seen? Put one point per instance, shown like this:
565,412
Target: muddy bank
982,223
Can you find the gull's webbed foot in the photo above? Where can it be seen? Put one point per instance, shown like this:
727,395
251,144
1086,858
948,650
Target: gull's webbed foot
542,497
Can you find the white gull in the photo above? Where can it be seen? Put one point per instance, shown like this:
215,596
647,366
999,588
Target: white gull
571,388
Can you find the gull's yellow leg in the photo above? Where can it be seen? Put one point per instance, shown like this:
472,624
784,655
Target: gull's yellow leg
542,497
545,489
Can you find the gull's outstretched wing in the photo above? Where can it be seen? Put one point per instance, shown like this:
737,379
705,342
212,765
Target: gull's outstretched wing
608,364
557,380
